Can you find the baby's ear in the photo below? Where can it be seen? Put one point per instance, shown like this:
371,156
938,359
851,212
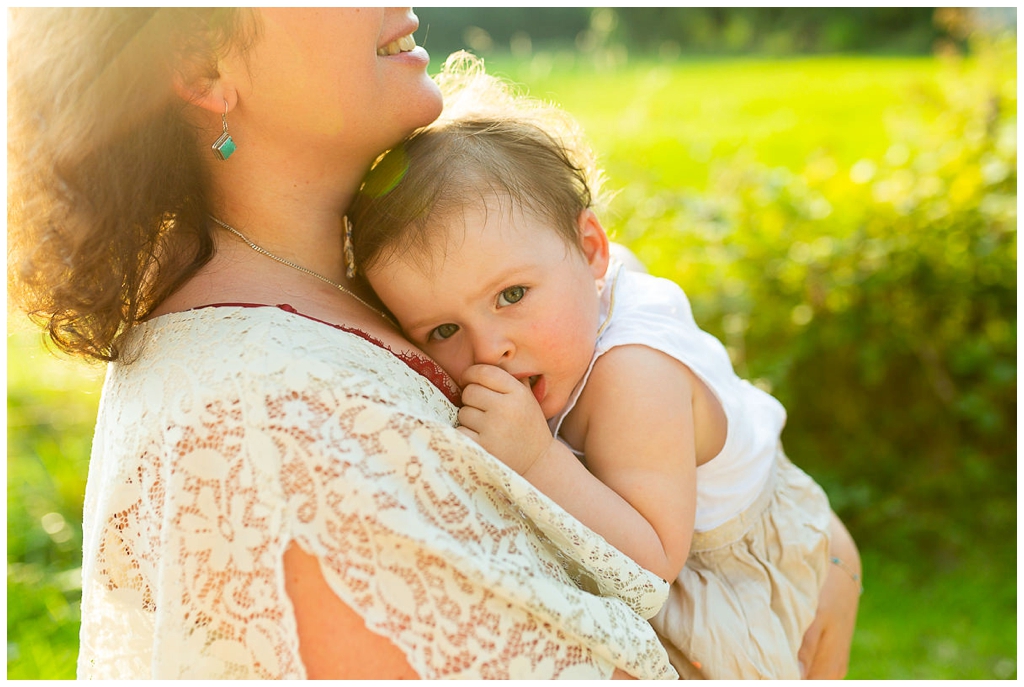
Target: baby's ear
593,242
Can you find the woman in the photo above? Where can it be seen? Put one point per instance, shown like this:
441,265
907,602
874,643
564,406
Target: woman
276,489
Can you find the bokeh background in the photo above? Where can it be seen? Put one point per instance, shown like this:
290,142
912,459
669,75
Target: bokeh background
836,190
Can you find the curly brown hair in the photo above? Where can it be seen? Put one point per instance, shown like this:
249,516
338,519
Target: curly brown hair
106,190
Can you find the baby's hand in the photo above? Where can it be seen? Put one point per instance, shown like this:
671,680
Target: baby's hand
501,414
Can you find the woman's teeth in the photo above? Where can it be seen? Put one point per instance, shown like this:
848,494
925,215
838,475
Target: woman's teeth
403,44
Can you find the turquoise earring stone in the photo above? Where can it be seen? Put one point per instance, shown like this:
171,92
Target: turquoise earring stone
224,146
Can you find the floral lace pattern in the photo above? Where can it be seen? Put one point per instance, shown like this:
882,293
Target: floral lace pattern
420,364
238,431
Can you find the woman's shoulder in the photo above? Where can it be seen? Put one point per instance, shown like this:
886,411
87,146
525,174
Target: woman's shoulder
257,348
238,334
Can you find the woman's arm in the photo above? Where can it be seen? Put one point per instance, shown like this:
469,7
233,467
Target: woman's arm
334,642
825,652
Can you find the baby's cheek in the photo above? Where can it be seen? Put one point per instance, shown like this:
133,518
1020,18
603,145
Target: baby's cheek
572,338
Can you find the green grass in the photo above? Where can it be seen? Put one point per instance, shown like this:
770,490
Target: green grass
665,123
51,406
657,126
917,622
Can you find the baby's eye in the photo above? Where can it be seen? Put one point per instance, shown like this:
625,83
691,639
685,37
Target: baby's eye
512,294
445,331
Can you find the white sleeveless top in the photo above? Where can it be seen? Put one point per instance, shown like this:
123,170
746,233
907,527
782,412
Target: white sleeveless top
642,309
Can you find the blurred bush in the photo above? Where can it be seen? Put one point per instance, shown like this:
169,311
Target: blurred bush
878,303
672,31
777,30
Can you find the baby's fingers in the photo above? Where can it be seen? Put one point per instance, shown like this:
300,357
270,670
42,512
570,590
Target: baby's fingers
490,376
479,396
471,433
471,418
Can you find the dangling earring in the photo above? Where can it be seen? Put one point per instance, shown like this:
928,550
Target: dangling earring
350,254
224,145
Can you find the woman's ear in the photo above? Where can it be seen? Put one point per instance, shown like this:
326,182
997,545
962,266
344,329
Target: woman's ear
593,242
214,92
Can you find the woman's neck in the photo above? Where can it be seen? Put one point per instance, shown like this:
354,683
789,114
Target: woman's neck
288,211
289,202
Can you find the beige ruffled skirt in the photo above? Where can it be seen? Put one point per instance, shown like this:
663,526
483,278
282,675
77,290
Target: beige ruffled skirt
749,591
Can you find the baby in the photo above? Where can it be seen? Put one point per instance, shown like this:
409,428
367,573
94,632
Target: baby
593,382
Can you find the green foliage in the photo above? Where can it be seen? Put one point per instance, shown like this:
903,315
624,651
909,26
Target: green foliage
778,30
878,302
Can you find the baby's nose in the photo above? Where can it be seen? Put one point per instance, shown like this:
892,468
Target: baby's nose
494,349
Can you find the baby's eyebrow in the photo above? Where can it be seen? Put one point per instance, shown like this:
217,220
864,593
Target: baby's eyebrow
413,326
428,323
501,279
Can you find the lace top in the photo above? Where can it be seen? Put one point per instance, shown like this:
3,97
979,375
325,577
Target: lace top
237,431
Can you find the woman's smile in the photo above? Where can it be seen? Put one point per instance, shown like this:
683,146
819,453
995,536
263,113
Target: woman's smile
404,44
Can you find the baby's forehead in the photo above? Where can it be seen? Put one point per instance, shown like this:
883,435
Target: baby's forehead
445,230
442,237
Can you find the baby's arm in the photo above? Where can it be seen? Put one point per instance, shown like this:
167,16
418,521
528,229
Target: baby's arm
636,416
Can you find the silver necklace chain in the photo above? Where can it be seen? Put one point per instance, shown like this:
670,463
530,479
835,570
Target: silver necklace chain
263,251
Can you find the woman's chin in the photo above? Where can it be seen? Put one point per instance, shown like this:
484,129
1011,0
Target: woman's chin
431,102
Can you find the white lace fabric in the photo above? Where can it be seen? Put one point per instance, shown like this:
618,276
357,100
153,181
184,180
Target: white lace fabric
237,431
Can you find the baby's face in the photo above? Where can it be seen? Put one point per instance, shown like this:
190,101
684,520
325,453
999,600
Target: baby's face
506,291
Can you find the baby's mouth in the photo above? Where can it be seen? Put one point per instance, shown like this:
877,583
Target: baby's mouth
403,44
538,386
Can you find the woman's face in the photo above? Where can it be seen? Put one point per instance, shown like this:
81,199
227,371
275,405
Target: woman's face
323,79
